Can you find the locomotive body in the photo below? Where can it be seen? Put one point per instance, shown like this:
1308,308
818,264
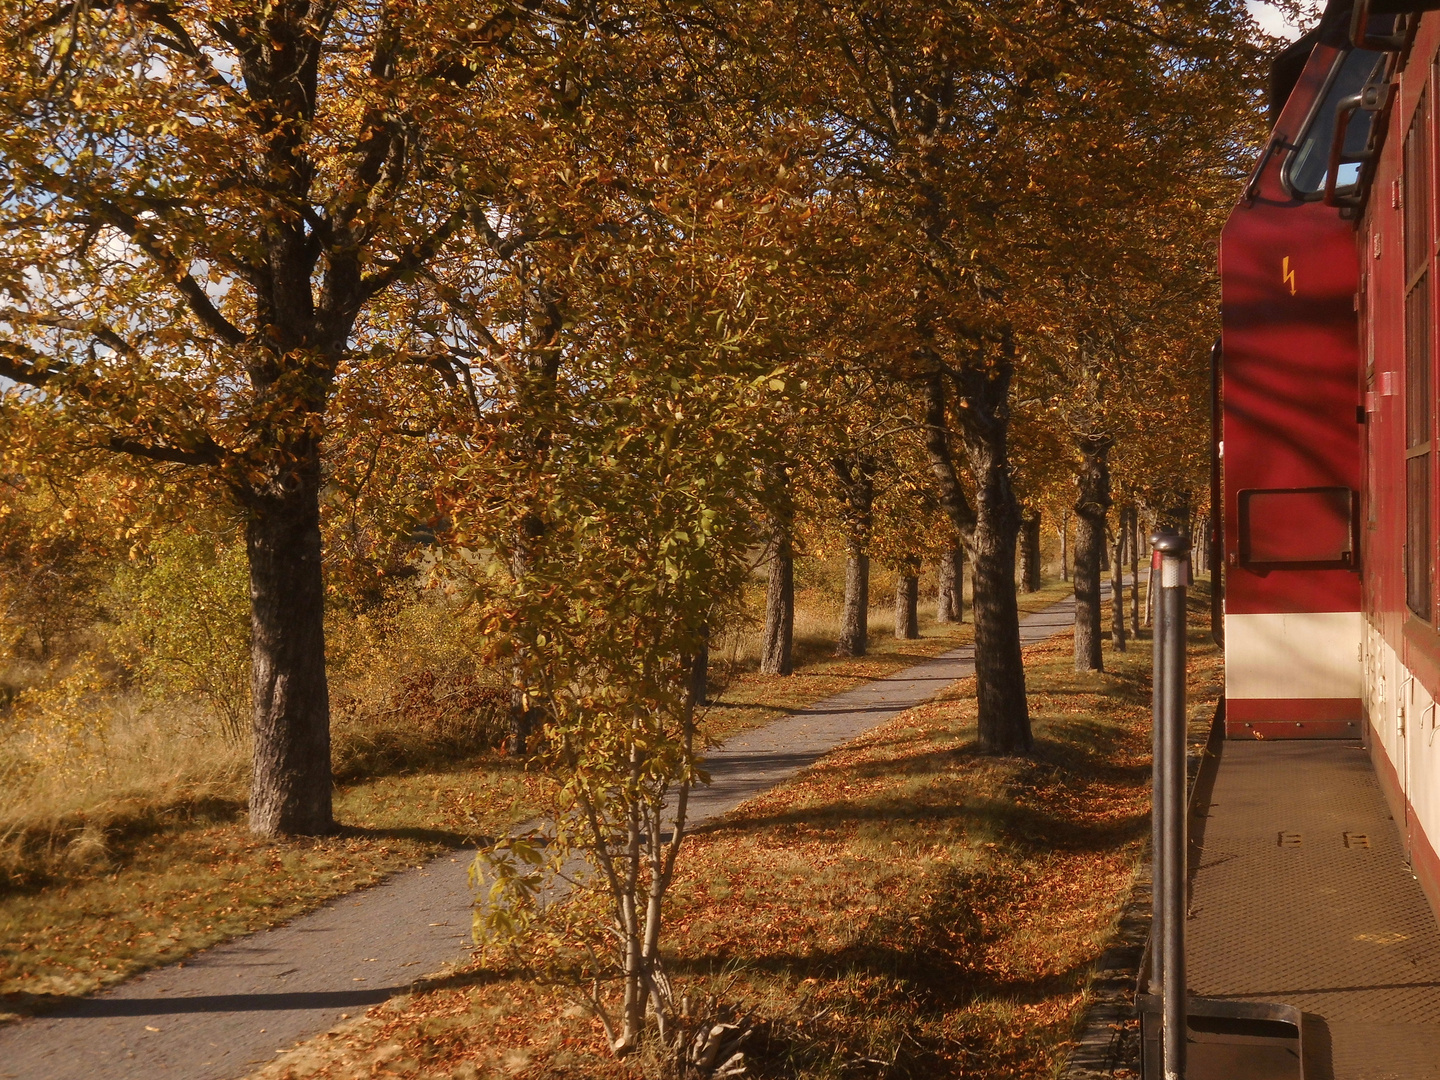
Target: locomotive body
1330,509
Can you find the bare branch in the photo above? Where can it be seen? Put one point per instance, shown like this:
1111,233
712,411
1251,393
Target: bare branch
209,453
97,330
416,256
22,364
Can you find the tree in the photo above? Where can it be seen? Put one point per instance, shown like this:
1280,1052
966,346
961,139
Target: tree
209,205
779,635
613,356
1029,551
854,475
1092,502
950,585
644,501
928,116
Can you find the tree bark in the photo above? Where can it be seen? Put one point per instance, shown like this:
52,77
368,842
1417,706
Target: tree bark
957,598
1065,546
1117,587
907,605
522,712
857,478
1134,526
950,587
855,616
777,647
1004,712
1030,553
700,672
989,530
776,652
290,789
1091,503
944,586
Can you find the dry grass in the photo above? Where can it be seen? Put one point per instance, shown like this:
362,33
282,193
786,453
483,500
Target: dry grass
158,881
124,845
904,909
131,850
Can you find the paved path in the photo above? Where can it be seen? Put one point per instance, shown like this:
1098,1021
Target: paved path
226,1011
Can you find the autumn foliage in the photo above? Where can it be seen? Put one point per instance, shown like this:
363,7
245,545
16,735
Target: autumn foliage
529,332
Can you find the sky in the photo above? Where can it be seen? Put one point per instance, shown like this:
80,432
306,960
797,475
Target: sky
1271,20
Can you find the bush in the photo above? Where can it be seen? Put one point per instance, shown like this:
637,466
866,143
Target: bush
182,618
407,687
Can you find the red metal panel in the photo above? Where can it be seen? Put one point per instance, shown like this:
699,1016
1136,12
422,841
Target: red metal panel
1382,374
1293,710
1288,280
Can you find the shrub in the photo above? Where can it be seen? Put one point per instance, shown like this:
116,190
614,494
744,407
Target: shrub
182,616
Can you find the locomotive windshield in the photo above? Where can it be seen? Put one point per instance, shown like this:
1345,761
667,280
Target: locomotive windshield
1306,169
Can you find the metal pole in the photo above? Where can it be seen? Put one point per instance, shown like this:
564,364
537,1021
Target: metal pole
1171,779
1157,799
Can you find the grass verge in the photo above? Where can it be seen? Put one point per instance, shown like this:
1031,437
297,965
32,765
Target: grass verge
150,878
906,908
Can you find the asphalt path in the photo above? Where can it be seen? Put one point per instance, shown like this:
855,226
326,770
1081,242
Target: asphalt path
226,1011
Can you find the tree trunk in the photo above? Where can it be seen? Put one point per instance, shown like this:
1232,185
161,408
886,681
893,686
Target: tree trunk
957,598
1090,505
1065,546
907,605
700,672
990,529
1133,522
1030,553
856,614
290,787
775,655
857,477
1117,588
1004,713
944,586
950,592
522,712
1150,592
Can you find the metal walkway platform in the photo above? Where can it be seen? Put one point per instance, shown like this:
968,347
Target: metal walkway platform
1301,896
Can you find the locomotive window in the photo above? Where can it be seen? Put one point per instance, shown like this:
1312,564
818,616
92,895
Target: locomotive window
1306,169
1298,528
1419,320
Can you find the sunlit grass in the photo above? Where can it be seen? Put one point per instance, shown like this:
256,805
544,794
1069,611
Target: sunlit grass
907,908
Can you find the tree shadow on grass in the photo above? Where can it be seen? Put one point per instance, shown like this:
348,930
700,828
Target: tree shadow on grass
1020,799
447,837
908,971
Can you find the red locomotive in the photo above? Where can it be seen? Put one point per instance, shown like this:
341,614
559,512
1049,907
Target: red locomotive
1328,441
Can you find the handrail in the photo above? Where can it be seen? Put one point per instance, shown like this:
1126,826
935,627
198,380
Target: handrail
1346,108
1252,186
1395,41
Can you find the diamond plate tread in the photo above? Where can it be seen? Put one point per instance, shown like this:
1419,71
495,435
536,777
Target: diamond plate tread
1284,910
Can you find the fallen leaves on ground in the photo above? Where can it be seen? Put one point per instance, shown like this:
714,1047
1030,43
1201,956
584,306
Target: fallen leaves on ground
906,908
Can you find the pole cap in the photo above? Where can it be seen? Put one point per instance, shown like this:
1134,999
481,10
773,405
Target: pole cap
1170,542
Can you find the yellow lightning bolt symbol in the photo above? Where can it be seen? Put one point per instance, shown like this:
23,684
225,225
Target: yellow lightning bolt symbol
1287,275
